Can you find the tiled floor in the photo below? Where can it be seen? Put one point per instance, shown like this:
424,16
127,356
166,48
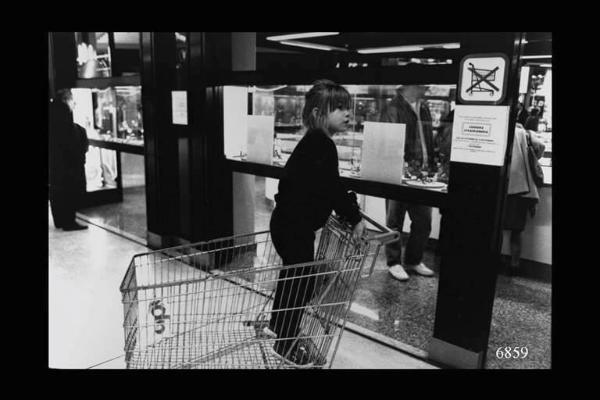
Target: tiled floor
84,302
86,313
128,216
405,311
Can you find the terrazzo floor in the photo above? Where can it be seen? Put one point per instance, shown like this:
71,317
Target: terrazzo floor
128,216
404,311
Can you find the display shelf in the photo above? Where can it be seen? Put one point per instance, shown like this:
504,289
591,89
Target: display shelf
429,197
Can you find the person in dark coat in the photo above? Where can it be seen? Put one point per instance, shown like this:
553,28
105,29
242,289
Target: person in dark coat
68,144
408,108
309,190
522,114
533,120
522,193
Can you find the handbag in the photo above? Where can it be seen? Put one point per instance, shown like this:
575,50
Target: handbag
534,164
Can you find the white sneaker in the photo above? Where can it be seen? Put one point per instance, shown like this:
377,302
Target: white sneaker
421,269
398,272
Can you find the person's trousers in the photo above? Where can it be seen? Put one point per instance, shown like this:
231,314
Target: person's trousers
63,204
295,286
420,228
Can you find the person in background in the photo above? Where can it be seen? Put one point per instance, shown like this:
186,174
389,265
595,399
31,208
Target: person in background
522,114
68,144
442,144
408,108
442,147
309,189
522,195
533,120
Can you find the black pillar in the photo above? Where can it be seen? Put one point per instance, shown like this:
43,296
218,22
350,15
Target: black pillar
211,192
188,188
63,50
473,219
161,138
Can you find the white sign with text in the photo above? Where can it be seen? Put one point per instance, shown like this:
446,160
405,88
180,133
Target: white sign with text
479,134
179,106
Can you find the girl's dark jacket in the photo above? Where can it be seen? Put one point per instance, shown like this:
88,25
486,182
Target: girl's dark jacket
310,187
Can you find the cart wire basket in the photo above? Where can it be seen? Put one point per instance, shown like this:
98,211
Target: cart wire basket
210,305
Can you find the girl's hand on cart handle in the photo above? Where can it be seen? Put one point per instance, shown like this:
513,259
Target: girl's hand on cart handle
359,230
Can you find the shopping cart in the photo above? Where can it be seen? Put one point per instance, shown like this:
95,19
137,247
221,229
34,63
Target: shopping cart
479,76
208,305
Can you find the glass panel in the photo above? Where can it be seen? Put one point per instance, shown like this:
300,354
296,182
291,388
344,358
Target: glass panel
390,104
129,114
93,55
105,119
127,40
126,57
112,114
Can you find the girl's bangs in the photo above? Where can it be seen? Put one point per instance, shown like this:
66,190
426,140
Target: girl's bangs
340,98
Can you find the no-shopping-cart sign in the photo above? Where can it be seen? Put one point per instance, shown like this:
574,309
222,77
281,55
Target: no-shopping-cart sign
483,78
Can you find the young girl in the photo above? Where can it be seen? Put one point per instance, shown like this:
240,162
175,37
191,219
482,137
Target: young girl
309,190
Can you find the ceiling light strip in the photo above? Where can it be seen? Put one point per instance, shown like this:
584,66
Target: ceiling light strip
312,45
409,48
532,57
301,35
397,49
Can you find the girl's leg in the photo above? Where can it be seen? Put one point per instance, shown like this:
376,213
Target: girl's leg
293,289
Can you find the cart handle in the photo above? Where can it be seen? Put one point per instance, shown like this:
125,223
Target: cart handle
388,235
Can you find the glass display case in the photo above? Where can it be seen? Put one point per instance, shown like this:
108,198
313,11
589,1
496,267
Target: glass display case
112,118
118,114
248,130
113,114
129,114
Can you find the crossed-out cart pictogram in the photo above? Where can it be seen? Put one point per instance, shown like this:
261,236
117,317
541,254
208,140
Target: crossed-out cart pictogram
480,76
